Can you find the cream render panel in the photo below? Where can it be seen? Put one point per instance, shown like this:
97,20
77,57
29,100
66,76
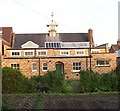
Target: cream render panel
29,52
81,52
41,52
15,53
65,52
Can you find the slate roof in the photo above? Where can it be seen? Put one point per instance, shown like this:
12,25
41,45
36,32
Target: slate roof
101,46
114,48
40,39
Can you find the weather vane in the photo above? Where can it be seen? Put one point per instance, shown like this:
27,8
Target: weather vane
52,15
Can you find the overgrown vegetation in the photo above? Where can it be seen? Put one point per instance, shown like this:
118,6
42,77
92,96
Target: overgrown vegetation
93,82
13,81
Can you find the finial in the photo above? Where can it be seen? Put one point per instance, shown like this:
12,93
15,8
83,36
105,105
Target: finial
52,15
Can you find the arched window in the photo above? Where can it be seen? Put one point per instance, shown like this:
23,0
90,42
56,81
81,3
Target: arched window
44,66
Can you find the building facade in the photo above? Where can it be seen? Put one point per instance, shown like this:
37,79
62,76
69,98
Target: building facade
69,53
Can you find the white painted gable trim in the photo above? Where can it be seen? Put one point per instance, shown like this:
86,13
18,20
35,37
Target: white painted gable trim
30,44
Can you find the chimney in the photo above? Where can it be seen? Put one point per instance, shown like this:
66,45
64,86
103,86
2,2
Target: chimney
107,48
90,37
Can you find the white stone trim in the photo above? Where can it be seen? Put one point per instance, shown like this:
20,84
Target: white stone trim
30,44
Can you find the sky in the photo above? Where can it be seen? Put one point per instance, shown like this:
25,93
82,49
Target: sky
72,16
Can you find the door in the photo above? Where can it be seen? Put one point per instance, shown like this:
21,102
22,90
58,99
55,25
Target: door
60,67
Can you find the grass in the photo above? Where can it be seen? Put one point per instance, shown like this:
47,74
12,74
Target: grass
67,94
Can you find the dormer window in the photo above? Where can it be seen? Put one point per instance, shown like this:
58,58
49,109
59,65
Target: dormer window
52,45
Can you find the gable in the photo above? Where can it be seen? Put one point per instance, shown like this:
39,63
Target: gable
30,44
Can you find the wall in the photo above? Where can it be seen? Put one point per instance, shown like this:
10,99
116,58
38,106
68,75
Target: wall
26,63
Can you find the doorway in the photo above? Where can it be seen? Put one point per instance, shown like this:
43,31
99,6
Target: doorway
60,67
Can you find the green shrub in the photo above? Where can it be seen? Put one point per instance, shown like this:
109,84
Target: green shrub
93,82
71,86
13,81
54,80
109,82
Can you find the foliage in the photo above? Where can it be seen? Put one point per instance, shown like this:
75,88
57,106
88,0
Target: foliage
71,86
93,82
54,80
13,81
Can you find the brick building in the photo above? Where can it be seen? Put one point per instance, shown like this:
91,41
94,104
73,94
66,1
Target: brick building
35,54
115,48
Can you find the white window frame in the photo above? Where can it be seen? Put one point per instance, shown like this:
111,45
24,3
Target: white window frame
41,51
105,61
44,66
33,70
80,51
73,70
12,51
50,46
15,66
28,51
65,51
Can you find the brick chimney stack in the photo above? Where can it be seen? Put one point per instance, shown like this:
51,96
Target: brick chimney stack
90,37
107,47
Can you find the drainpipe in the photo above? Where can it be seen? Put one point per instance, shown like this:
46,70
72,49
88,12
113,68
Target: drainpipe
90,58
39,66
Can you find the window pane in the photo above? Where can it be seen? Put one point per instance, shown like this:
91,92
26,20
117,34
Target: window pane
55,45
52,45
34,66
44,64
46,45
79,63
73,63
107,62
44,68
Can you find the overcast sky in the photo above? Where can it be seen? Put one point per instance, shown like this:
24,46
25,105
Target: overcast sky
72,16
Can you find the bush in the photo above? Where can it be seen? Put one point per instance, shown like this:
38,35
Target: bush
13,81
93,82
109,82
54,80
88,81
71,86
